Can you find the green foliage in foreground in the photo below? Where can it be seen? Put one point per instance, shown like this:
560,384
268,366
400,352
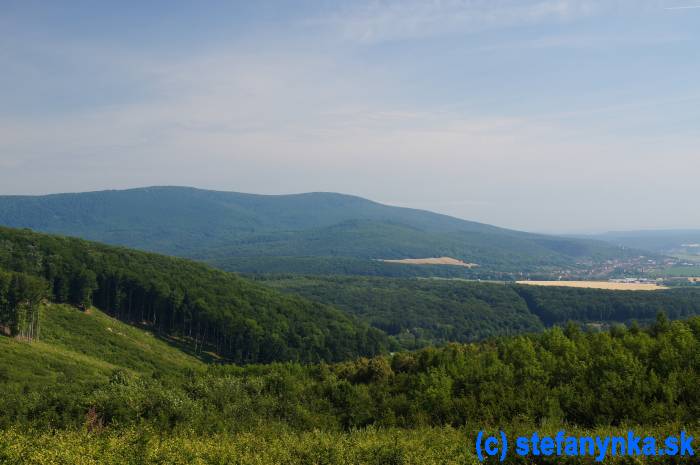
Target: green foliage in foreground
633,376
96,391
279,446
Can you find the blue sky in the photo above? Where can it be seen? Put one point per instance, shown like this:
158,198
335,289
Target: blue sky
545,115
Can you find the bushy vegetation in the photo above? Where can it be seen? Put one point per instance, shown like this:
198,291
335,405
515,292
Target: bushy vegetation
211,310
562,376
266,445
95,390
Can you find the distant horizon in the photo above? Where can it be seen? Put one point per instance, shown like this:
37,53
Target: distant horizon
537,115
235,191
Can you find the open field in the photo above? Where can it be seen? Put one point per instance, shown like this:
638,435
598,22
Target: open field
597,285
433,261
678,272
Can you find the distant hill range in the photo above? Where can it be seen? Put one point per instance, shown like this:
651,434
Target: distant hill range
670,241
313,233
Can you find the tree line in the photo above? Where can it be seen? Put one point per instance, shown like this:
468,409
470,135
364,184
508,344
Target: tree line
420,312
20,304
556,305
209,309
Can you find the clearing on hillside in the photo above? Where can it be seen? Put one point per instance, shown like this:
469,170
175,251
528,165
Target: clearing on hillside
433,261
598,285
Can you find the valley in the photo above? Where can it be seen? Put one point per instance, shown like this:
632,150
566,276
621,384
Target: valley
359,232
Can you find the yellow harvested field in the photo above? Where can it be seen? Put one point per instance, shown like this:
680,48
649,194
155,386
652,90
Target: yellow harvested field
433,261
598,285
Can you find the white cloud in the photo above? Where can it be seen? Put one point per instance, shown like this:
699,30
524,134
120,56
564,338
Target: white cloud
396,20
688,7
288,119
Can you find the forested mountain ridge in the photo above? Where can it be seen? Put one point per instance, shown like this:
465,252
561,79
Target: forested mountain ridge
284,230
212,310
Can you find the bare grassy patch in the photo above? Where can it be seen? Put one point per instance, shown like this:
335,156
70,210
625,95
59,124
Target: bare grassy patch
598,285
433,261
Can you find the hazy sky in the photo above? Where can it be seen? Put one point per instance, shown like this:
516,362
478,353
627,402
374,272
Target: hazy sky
546,115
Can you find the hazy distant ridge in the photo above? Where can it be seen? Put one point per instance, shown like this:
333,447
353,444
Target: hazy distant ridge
220,226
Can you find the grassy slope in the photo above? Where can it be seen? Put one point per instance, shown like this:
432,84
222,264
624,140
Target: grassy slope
85,348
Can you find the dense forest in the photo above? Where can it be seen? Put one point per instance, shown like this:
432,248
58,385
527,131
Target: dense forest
554,305
347,266
421,312
287,231
245,322
212,310
646,378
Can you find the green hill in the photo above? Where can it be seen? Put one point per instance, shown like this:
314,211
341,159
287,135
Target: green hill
207,309
229,229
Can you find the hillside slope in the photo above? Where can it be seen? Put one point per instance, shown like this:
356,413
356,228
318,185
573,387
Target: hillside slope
222,227
87,347
209,309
